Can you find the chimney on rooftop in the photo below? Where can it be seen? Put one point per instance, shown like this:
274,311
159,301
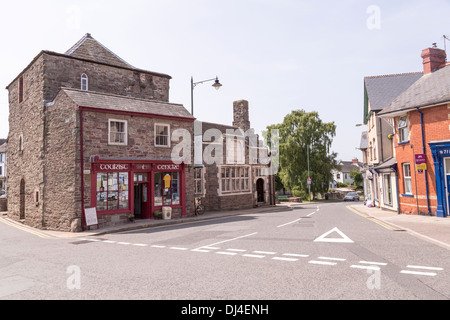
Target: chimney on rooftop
355,160
433,58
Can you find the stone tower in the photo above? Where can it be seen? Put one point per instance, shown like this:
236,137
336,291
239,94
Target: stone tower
240,115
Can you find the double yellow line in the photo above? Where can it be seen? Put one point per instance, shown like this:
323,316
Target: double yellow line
385,225
25,228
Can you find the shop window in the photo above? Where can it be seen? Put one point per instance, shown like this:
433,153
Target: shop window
234,179
167,189
407,178
162,137
402,129
84,82
112,190
117,131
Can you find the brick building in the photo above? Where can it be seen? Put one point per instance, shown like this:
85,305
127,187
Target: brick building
420,116
88,130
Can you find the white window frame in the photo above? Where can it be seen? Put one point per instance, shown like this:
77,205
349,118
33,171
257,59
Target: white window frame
387,189
125,142
168,135
84,78
403,131
407,179
230,184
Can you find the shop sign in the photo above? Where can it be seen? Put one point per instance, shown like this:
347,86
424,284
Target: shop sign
113,167
168,167
421,162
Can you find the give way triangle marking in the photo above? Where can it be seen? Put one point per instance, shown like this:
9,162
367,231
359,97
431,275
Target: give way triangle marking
343,238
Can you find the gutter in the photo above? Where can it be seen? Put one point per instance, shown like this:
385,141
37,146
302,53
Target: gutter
83,217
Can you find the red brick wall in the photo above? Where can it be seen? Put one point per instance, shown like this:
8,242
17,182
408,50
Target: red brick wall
436,127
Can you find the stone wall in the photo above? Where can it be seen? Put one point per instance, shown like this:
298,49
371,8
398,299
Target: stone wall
65,71
26,121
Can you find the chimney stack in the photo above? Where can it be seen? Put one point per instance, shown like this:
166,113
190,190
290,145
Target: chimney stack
355,160
240,115
433,58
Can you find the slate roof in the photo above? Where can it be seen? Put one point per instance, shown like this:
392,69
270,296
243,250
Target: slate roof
106,101
382,90
347,166
431,89
90,49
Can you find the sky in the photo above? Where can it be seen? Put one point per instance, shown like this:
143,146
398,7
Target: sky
279,55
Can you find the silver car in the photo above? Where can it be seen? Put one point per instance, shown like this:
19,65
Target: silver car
351,196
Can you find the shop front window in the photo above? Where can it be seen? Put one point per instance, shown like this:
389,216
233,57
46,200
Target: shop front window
167,188
112,191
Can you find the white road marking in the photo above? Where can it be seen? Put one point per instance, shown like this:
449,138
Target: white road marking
227,253
323,237
228,240
140,244
285,224
109,241
253,255
284,259
157,246
264,252
432,274
426,268
178,248
322,262
329,258
374,263
296,255
365,267
124,243
237,250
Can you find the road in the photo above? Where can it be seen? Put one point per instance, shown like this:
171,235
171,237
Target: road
317,252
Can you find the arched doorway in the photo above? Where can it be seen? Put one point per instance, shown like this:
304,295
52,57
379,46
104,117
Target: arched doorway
260,190
22,199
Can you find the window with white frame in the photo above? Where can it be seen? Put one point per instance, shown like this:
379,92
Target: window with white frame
162,135
117,132
407,178
234,179
402,129
84,82
198,180
387,190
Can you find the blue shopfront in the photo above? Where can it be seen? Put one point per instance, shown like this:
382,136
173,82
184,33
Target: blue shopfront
441,159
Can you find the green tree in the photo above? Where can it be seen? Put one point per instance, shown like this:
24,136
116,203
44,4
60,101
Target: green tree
299,133
356,176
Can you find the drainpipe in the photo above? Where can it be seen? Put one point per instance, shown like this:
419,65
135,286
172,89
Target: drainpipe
425,171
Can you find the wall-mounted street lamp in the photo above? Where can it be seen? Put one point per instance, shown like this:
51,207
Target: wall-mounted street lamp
216,85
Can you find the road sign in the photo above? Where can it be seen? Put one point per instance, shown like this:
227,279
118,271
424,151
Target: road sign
308,181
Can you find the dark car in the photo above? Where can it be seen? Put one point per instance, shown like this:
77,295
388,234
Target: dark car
351,196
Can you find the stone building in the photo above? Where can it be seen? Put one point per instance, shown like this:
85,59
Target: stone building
90,131
87,120
234,169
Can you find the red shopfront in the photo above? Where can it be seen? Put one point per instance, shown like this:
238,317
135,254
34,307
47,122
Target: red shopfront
141,187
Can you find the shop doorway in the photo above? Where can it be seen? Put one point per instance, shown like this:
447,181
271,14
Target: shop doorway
141,205
260,190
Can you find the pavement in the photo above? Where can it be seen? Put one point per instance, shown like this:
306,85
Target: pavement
429,228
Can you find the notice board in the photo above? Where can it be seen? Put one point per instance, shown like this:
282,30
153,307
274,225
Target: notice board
91,216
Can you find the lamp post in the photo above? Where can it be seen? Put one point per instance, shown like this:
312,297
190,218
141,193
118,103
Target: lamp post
216,85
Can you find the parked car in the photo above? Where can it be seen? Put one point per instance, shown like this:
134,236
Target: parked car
351,196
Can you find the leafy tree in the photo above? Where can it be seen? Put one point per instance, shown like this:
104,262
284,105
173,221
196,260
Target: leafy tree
302,132
356,176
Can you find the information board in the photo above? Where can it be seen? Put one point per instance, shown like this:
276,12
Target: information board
91,216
